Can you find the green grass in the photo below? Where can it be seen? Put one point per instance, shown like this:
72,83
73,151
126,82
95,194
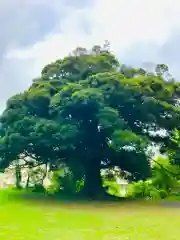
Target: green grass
50,219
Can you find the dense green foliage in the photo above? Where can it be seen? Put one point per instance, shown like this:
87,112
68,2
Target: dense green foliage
164,181
89,112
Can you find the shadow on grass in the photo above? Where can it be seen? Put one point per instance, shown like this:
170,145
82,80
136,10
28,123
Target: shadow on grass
30,197
11,195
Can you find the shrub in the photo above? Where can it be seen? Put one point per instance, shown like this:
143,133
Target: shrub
38,188
112,188
163,175
67,183
63,180
79,185
54,187
146,190
163,193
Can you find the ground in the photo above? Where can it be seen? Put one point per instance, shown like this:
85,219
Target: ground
50,219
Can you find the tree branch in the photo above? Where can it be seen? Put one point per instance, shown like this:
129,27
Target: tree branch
174,174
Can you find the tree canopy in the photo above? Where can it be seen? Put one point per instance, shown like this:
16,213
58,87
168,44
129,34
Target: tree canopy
90,112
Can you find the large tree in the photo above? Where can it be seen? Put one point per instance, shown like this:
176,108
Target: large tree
89,112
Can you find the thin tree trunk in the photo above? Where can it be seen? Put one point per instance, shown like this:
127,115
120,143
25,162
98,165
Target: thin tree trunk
45,173
27,182
18,176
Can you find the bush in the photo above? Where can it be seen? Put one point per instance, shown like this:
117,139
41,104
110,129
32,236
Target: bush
38,188
67,183
146,190
163,193
163,174
63,180
112,188
54,187
79,185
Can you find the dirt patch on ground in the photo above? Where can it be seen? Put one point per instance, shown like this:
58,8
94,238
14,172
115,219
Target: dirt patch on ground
171,204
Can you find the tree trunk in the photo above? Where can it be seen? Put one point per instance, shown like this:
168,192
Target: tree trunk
93,181
45,174
18,176
28,178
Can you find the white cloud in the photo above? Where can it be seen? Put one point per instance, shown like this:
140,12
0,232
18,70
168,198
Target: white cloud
136,29
23,23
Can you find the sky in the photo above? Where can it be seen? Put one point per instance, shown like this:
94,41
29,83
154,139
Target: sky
34,33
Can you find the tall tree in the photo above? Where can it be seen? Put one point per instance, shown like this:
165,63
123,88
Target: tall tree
89,113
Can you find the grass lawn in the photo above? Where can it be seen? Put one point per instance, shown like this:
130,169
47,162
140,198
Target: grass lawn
49,219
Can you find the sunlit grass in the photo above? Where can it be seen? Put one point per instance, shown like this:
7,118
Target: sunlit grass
51,219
